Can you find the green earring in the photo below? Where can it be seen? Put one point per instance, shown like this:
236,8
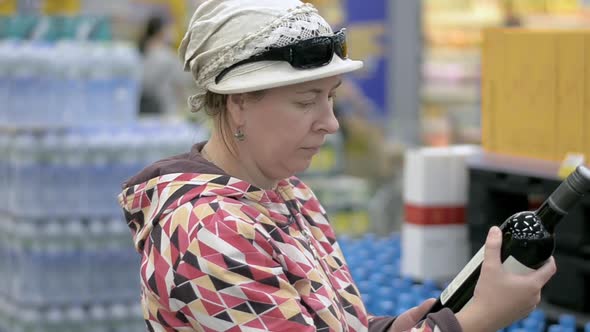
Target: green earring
239,135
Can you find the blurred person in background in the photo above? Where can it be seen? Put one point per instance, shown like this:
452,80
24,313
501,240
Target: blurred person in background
230,239
165,86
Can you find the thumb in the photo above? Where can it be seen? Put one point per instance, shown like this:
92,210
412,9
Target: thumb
424,307
418,312
493,247
409,319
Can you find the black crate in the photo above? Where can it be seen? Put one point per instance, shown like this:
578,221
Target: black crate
500,186
570,286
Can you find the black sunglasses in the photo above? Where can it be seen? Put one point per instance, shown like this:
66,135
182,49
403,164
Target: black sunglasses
310,53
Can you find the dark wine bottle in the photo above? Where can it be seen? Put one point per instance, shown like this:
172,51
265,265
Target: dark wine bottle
527,241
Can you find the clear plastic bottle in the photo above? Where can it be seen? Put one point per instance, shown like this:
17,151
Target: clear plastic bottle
22,76
85,65
93,162
33,81
44,110
126,69
68,177
91,269
71,61
4,171
55,320
102,172
4,314
98,84
130,157
120,317
50,167
54,284
11,66
11,173
30,320
5,268
115,260
10,314
76,318
25,174
136,317
76,181
61,176
113,176
13,267
98,317
5,77
77,286
28,257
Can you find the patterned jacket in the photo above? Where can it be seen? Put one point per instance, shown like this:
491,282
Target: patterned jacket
219,254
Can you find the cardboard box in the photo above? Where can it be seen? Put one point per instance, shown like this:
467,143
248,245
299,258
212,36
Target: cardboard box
536,92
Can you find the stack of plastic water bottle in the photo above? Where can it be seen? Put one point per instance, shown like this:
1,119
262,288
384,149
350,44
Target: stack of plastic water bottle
68,83
565,323
374,263
67,261
68,275
77,172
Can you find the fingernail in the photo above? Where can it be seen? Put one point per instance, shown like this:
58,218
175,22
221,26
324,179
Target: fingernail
494,231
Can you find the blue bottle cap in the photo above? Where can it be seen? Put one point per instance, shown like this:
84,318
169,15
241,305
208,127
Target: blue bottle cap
386,308
567,320
538,314
531,325
406,300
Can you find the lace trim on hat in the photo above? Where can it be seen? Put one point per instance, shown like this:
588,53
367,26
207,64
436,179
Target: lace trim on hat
300,23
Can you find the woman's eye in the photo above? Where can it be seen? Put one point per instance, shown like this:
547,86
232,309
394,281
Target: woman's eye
305,104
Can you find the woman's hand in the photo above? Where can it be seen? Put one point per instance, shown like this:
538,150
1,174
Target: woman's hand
502,297
409,319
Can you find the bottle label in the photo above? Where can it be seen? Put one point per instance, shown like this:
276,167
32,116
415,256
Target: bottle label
516,267
462,276
511,264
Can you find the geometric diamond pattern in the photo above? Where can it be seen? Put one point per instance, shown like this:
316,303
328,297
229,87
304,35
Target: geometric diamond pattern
221,254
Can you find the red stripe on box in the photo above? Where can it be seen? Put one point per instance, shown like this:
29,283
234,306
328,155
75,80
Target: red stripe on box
434,215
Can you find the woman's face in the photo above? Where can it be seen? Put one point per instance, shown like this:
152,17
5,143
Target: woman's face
288,125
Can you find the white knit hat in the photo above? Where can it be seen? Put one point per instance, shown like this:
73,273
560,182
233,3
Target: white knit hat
224,32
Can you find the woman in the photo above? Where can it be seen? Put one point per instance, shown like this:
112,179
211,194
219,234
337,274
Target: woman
164,84
230,239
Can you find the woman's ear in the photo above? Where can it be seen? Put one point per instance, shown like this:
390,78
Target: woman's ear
235,108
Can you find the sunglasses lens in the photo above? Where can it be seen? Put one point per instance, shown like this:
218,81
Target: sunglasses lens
342,50
340,45
315,53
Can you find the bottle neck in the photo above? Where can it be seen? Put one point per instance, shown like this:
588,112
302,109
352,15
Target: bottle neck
550,216
560,202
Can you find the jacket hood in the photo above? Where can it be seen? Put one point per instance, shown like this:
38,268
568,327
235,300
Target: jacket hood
160,188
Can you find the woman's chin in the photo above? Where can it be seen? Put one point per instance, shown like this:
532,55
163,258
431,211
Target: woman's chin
302,166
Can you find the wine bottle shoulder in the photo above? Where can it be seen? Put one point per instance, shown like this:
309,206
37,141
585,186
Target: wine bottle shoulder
525,225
